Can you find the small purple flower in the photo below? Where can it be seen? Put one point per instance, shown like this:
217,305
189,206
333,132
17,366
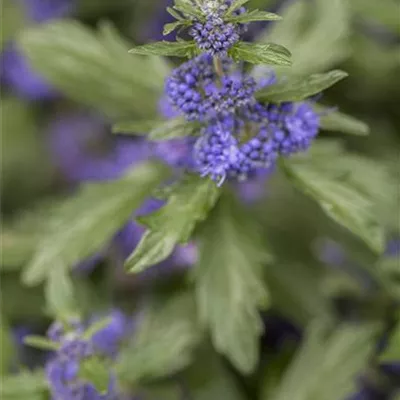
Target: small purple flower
84,151
16,71
17,74
214,35
62,370
44,10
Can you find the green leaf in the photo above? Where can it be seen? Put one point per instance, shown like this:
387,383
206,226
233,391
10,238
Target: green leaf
188,8
306,27
23,386
235,5
59,292
341,193
40,342
228,282
297,89
260,53
168,49
391,354
274,369
164,342
385,13
159,130
97,372
96,327
208,378
84,223
95,68
12,20
188,204
175,14
339,122
327,366
6,346
296,292
135,127
252,16
168,28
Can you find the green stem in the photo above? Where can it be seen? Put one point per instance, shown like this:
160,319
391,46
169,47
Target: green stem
218,66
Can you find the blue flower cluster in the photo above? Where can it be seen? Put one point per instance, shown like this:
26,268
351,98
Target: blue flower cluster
240,135
213,35
62,370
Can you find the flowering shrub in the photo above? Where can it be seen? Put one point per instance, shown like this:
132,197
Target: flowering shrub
209,230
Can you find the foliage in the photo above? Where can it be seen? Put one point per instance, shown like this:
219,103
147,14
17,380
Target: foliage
200,320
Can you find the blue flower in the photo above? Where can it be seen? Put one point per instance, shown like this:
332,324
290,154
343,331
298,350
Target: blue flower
44,10
16,71
17,74
214,35
62,370
84,151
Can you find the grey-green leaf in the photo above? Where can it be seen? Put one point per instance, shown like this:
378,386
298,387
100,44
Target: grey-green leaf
253,16
95,68
235,5
7,346
188,204
84,223
164,342
327,366
339,122
159,130
40,342
260,53
168,28
228,282
97,372
297,89
167,49
59,292
391,354
339,192
23,386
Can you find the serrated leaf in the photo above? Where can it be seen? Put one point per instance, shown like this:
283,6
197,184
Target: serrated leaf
235,5
23,386
167,49
59,293
228,282
297,89
327,366
260,53
85,222
209,378
341,194
135,127
175,14
253,16
159,130
168,28
94,68
97,372
6,346
391,354
306,27
164,341
296,292
188,204
96,327
188,8
336,121
40,342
